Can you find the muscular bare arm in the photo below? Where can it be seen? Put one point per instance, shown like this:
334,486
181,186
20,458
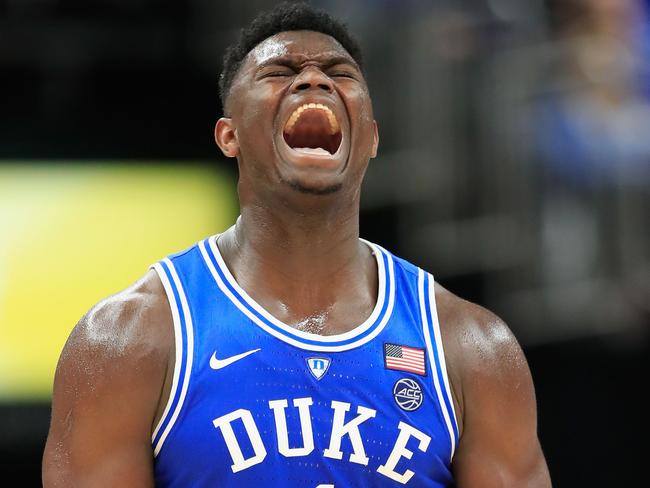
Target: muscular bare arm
495,400
107,391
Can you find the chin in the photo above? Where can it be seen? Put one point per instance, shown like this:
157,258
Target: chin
315,189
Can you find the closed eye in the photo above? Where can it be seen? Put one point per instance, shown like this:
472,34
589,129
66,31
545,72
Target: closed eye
276,72
341,70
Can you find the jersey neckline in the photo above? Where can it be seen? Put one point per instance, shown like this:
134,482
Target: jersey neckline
357,336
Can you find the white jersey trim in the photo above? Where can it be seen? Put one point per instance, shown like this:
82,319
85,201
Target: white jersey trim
178,334
441,349
386,286
429,341
178,344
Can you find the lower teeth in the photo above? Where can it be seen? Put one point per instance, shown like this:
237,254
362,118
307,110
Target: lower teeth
311,150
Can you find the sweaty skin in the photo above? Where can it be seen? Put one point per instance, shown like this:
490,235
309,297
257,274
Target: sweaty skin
299,212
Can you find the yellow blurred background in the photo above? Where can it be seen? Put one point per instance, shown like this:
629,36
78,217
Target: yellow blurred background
72,234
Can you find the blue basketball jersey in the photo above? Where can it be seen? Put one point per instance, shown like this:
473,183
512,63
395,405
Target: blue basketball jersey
255,402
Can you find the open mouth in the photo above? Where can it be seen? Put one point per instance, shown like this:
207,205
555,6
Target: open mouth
313,129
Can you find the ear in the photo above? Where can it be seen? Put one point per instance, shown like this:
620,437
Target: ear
225,135
375,142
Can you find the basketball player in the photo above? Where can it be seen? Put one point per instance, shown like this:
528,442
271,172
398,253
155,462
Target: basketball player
285,351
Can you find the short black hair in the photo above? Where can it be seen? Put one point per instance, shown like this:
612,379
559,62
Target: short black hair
288,16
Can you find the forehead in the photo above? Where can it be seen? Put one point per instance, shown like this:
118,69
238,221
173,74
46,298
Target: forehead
302,45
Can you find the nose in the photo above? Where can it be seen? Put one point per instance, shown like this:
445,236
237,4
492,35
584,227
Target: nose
312,77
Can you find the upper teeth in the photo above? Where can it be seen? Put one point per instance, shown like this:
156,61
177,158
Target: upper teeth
334,125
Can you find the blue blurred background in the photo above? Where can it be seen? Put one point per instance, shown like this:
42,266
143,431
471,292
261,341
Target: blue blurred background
514,164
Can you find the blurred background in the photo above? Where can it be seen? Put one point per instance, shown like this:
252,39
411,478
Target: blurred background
514,164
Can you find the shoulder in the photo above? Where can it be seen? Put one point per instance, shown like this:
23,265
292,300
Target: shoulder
472,327
124,338
473,336
481,351
136,320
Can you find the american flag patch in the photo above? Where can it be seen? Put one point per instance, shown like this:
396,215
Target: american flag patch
404,358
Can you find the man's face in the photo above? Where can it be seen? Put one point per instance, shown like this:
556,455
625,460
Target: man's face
300,117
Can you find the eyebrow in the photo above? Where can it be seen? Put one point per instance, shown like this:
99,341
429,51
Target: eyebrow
291,61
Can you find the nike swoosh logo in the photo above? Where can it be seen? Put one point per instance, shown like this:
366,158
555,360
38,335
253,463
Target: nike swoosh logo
222,363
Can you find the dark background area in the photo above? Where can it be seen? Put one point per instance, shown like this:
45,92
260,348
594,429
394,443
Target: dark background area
513,165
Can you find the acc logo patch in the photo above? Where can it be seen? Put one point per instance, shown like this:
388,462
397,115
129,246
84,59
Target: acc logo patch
408,394
318,366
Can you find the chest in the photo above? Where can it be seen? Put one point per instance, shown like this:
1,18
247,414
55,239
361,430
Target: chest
255,407
255,401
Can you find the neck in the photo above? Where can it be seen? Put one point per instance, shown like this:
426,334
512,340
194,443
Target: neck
321,242
303,265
